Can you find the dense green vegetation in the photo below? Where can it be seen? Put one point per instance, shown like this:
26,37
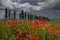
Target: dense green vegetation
8,28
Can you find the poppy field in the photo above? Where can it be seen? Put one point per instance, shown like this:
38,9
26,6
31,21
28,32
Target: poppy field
14,29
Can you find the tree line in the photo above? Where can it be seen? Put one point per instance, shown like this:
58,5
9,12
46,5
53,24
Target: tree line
23,15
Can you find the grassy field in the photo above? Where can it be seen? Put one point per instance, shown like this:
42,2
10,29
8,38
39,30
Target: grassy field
57,25
28,30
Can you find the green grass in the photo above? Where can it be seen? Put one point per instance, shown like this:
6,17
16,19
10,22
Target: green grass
6,31
57,25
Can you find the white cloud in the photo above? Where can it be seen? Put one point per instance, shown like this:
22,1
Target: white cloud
36,7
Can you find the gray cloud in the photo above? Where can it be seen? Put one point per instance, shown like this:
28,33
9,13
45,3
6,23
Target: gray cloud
48,8
27,5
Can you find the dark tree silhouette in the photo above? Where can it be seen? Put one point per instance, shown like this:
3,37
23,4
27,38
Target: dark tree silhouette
14,14
47,19
9,14
31,16
44,18
39,16
5,13
28,16
25,15
22,12
36,17
20,16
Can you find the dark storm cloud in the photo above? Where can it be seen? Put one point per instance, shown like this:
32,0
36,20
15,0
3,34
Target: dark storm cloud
27,4
32,2
57,6
48,8
51,13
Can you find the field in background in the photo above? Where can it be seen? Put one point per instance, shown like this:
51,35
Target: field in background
57,24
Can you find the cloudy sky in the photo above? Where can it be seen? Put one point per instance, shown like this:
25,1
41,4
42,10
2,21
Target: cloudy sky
48,8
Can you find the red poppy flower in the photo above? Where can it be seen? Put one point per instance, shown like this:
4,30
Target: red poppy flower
42,22
9,22
40,19
35,23
16,36
29,22
32,36
16,20
51,25
21,39
20,31
35,19
52,30
49,30
14,28
55,31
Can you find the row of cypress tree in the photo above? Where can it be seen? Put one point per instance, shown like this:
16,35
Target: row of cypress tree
23,15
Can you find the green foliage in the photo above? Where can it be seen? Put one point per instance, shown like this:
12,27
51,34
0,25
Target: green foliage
7,33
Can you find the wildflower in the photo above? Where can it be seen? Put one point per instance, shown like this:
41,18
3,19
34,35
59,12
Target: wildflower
27,35
42,22
17,21
16,36
20,31
21,39
32,36
52,30
35,19
35,23
40,19
14,28
51,25
9,22
29,22
49,30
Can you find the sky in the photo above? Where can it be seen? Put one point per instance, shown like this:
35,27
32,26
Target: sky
48,8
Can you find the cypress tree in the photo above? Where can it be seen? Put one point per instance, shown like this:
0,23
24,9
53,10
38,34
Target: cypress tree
47,19
5,13
9,14
44,18
25,15
20,16
39,16
14,14
22,12
31,16
28,16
